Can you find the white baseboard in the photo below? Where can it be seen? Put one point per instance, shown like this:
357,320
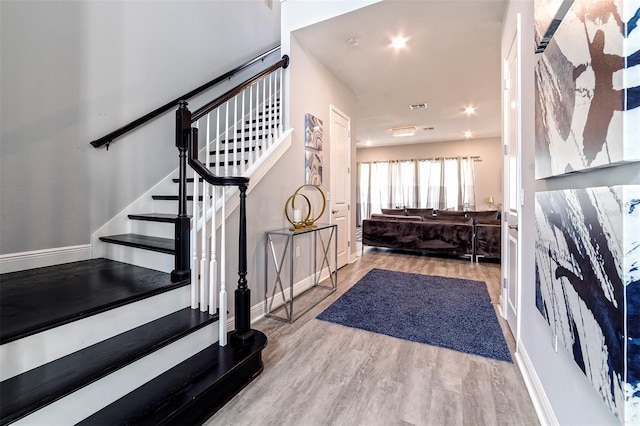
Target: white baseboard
39,258
536,391
259,310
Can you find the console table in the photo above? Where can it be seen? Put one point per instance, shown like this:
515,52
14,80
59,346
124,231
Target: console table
322,235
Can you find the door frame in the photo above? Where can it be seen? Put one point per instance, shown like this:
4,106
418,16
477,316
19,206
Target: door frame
334,110
516,43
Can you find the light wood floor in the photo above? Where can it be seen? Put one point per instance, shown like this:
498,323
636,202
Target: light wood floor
319,373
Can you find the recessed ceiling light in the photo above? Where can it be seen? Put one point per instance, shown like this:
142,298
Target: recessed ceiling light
398,42
353,41
401,132
468,134
368,143
470,110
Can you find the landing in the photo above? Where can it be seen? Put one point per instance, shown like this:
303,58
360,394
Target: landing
38,299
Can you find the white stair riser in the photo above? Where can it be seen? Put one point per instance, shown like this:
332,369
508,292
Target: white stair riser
140,257
49,345
89,399
156,229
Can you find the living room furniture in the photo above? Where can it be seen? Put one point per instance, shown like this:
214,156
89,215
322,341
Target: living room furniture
476,234
282,290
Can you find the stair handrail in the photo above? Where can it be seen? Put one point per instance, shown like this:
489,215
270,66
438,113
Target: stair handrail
220,100
109,138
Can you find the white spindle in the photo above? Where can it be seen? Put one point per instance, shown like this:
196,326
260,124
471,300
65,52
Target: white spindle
235,135
226,133
195,264
242,153
264,113
202,277
271,108
280,127
213,265
222,320
251,124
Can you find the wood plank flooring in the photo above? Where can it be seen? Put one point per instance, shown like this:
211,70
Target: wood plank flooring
319,373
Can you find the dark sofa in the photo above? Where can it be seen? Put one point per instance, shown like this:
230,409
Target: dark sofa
474,233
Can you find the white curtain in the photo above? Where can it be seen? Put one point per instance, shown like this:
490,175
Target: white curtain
467,183
443,184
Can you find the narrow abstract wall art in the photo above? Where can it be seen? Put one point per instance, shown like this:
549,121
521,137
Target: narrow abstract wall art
587,85
312,132
313,168
587,264
313,149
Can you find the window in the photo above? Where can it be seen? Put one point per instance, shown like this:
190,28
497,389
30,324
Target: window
442,183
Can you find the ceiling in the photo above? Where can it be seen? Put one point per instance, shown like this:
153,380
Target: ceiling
451,61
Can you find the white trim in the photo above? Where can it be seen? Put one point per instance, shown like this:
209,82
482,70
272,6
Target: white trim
259,309
39,258
536,390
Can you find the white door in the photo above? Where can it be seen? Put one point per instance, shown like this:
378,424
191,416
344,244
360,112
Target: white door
340,185
511,187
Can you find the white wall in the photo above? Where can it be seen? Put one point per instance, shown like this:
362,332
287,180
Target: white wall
570,396
71,71
488,171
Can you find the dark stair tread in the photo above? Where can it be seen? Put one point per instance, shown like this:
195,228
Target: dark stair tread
175,197
162,245
155,217
79,289
199,386
41,386
189,180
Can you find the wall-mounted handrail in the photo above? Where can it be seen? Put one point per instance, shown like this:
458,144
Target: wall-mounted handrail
220,100
108,138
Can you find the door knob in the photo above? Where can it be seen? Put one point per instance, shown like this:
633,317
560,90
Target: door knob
334,211
513,227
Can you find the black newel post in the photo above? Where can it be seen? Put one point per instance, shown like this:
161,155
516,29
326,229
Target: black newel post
243,333
183,222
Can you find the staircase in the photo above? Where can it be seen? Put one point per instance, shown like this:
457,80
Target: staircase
129,337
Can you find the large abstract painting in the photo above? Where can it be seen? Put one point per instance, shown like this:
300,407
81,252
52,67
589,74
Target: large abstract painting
587,264
587,85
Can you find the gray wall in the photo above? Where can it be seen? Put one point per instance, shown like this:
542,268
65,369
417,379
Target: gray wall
71,71
569,393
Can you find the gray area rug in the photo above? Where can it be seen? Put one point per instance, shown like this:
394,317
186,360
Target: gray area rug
448,312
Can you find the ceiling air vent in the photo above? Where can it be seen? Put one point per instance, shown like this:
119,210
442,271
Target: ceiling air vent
428,128
418,106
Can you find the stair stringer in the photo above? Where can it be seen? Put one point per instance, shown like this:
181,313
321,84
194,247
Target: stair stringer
163,262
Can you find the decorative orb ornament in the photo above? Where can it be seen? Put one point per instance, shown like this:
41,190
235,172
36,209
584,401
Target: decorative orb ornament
300,217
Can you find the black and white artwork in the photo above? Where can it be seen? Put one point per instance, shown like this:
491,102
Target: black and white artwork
587,264
587,85
548,15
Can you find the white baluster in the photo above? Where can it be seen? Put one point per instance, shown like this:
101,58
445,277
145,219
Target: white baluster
222,320
243,167
228,143
271,107
264,112
202,278
252,150
235,135
280,126
194,238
